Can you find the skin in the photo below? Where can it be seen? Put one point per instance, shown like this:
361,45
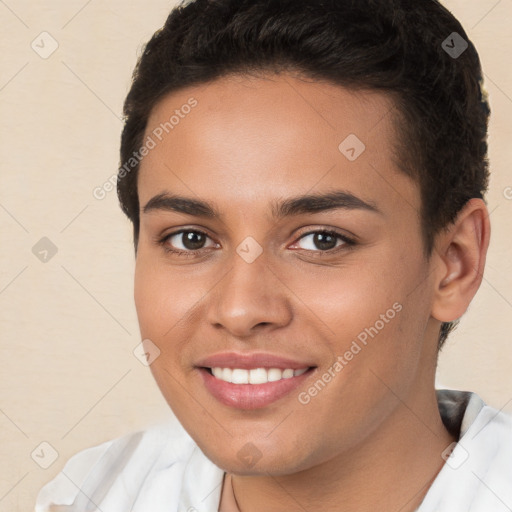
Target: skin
251,141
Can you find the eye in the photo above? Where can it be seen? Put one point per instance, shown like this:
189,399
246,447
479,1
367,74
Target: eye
185,241
324,240
191,242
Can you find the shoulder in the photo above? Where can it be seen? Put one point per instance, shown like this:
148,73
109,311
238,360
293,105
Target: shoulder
116,472
477,474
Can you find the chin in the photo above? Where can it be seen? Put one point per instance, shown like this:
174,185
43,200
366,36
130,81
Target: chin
249,460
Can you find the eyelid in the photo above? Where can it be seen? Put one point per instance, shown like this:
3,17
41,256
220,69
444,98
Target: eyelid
322,228
348,241
163,239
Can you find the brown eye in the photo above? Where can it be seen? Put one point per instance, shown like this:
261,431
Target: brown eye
193,240
186,240
323,240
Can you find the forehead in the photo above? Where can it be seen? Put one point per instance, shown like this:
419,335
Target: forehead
246,139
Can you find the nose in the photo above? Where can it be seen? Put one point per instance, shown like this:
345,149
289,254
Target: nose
249,298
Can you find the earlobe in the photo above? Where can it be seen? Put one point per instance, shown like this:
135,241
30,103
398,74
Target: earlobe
460,253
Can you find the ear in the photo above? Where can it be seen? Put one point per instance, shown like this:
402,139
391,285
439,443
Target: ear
459,255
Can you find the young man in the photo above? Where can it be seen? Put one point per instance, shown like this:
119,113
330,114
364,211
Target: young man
305,180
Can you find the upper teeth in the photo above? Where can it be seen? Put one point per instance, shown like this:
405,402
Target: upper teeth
254,376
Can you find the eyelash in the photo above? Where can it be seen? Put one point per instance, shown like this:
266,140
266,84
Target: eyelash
348,242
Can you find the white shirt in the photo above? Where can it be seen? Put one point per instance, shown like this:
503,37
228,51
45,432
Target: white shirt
161,469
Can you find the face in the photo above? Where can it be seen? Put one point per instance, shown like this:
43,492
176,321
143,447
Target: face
276,232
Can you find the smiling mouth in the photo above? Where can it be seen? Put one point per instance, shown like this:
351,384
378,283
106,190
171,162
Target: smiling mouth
255,375
252,388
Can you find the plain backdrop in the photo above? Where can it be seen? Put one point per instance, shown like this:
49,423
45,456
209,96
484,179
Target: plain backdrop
68,377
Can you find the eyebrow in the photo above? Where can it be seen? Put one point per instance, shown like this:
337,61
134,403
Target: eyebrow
310,203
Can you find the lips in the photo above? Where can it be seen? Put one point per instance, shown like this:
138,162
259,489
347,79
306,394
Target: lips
251,361
252,395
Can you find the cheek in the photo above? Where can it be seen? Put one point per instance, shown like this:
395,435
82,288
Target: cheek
170,307
162,297
148,301
349,298
158,309
373,312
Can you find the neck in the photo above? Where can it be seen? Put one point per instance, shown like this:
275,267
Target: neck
405,449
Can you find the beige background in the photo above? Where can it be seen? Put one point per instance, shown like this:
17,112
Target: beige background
68,326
